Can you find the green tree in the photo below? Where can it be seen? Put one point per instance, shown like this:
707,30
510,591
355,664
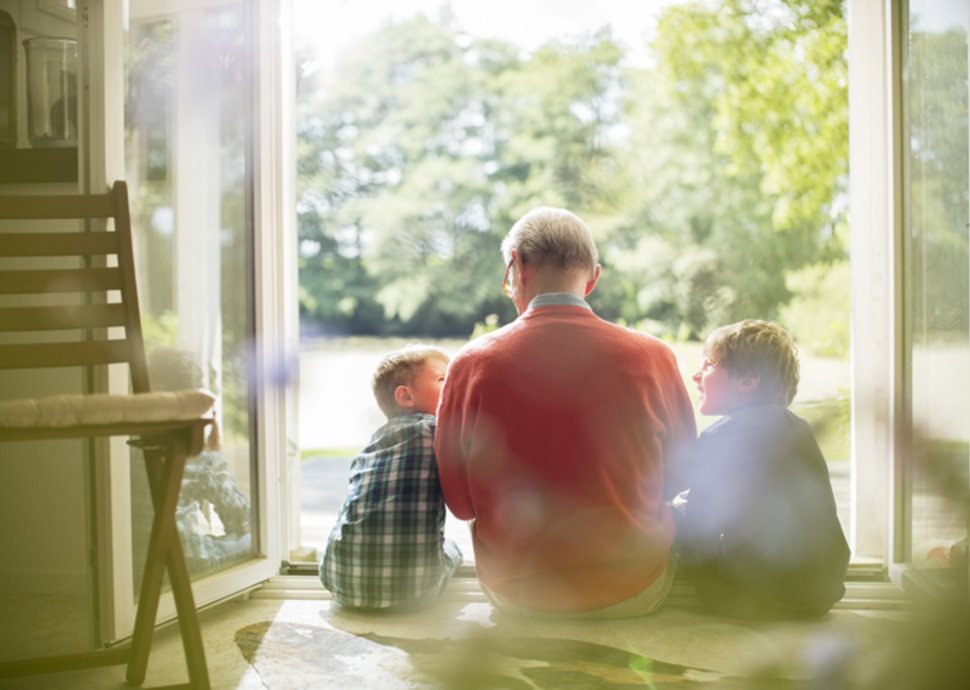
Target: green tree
419,156
707,178
738,160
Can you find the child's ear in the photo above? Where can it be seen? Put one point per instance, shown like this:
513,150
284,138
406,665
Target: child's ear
748,383
403,397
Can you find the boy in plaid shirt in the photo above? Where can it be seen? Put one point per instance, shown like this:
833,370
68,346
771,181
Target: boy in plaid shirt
387,550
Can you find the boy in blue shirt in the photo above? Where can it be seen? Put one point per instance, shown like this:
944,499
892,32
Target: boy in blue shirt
387,550
758,534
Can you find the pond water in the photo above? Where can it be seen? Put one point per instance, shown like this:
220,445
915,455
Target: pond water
337,408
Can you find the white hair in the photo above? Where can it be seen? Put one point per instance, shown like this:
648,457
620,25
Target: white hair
551,236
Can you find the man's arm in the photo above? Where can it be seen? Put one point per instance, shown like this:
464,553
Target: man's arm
681,436
449,448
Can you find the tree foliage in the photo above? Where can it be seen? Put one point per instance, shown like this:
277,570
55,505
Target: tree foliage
707,177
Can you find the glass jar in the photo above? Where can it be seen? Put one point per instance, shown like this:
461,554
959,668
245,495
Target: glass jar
51,91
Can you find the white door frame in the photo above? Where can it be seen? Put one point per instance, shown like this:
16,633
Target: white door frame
102,27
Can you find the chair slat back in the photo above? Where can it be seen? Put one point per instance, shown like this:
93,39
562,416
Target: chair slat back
62,318
64,281
72,354
53,243
61,292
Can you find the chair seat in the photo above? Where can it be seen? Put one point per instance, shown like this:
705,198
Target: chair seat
69,298
61,411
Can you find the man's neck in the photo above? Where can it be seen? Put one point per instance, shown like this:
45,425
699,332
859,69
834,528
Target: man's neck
547,299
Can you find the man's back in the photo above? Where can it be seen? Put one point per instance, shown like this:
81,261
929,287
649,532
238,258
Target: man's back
552,437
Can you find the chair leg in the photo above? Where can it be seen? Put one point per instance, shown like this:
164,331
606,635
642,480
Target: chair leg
165,479
188,617
159,541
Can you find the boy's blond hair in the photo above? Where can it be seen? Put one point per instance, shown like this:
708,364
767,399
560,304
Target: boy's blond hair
399,368
762,348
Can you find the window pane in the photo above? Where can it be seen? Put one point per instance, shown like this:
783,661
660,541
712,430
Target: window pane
938,268
188,163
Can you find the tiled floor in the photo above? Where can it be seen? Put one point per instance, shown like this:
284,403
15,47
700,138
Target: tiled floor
287,644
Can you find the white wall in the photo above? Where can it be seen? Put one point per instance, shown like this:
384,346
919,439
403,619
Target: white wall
43,486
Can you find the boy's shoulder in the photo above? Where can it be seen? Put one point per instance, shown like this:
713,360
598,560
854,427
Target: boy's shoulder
771,414
410,419
404,426
776,421
757,434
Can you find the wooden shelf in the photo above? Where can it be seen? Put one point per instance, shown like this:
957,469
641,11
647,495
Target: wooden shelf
24,166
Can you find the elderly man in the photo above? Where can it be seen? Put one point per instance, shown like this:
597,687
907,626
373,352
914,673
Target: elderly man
557,436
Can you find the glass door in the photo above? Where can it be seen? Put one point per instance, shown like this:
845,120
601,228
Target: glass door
190,177
937,282
195,95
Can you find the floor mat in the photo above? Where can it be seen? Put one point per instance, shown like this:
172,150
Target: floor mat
306,656
469,646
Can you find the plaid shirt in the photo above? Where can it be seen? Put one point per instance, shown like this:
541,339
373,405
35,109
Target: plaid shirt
387,547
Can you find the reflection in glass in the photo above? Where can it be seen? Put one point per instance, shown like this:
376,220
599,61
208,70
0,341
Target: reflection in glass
188,121
938,271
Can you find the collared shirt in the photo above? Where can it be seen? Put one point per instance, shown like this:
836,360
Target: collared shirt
387,547
558,298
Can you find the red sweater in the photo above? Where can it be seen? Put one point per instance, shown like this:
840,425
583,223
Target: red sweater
556,435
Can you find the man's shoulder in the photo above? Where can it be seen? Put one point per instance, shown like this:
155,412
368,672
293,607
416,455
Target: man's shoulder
630,335
484,345
650,351
529,329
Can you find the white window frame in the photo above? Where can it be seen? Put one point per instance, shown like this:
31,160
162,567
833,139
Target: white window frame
876,349
881,360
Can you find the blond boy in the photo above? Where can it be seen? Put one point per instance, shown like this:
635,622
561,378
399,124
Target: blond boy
387,550
759,536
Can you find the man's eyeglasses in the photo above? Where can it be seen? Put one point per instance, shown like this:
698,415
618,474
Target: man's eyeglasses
505,280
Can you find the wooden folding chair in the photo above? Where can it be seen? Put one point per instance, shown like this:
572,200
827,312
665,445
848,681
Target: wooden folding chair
82,306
